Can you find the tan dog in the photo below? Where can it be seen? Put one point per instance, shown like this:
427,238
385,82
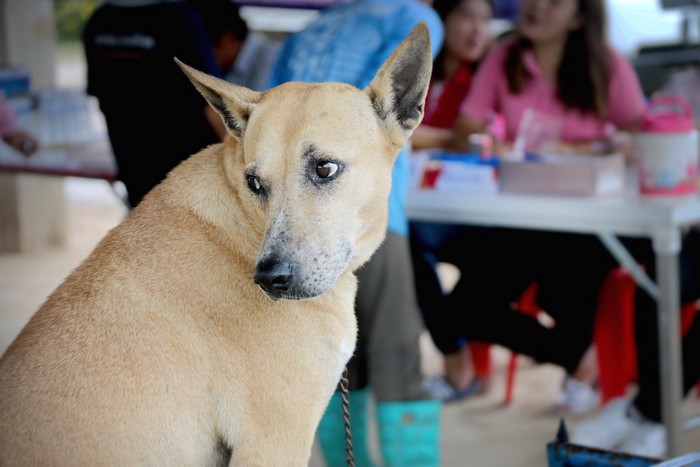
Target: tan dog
172,344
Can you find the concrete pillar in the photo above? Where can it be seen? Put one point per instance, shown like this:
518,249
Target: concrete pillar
29,220
32,207
28,39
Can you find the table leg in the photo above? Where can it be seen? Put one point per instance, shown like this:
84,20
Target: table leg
667,246
626,260
32,212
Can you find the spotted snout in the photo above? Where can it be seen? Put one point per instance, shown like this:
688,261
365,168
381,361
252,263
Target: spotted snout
298,274
275,277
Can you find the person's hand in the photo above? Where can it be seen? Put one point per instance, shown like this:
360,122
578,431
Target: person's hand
428,137
503,149
623,143
22,141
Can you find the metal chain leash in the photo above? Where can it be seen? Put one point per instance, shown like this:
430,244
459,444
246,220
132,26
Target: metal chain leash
345,396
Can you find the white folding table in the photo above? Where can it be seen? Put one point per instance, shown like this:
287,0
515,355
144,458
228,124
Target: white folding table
660,219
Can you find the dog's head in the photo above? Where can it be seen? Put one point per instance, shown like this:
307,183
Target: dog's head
312,164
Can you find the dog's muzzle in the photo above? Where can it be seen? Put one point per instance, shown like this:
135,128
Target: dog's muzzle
274,277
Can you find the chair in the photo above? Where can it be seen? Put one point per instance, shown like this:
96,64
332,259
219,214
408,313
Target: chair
614,334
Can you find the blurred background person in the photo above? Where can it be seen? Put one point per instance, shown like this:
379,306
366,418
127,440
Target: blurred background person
155,118
348,43
557,63
541,69
467,39
245,57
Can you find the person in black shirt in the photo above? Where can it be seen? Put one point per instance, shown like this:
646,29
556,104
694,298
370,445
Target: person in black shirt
154,116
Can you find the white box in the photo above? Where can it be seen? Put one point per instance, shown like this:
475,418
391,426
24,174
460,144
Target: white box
572,175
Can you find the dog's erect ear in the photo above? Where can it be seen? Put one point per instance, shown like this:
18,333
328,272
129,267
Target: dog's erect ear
234,103
399,88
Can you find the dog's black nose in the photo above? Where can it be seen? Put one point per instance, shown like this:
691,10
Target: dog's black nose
273,275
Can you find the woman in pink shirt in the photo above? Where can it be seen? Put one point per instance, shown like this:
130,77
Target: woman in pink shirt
557,63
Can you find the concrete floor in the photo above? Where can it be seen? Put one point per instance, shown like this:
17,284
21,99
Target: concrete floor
479,431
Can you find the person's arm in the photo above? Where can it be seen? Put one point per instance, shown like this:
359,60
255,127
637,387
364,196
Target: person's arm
429,137
626,102
626,105
481,101
15,137
22,141
464,127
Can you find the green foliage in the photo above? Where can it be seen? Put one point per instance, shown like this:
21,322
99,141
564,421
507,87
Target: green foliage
70,17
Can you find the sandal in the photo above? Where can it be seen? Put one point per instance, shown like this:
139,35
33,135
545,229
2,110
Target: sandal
439,388
576,398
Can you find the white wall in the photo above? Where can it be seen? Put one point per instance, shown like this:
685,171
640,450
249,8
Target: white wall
632,23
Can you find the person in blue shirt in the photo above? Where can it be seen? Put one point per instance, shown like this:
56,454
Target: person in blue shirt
348,43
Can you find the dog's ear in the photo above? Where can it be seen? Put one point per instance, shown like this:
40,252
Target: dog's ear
234,103
399,88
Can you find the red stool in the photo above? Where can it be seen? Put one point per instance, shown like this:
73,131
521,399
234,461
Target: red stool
614,334
688,313
481,357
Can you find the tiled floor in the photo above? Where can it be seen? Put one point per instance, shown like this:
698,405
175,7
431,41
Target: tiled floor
477,432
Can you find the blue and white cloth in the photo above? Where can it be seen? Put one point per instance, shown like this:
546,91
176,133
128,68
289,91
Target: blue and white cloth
348,43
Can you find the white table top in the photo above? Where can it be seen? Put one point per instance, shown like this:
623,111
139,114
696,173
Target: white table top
628,214
659,218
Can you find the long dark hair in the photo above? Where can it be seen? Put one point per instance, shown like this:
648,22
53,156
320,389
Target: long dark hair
584,70
443,9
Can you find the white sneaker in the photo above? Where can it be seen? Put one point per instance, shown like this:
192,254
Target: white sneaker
608,429
577,398
647,439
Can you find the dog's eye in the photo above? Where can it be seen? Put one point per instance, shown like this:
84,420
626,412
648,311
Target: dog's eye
326,169
254,184
321,170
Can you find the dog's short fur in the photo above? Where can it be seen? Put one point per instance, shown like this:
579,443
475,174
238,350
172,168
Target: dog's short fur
213,324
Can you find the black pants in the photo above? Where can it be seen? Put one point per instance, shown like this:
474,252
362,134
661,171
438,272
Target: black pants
648,399
569,270
433,243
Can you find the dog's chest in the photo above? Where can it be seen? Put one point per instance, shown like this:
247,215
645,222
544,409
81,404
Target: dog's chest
347,348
